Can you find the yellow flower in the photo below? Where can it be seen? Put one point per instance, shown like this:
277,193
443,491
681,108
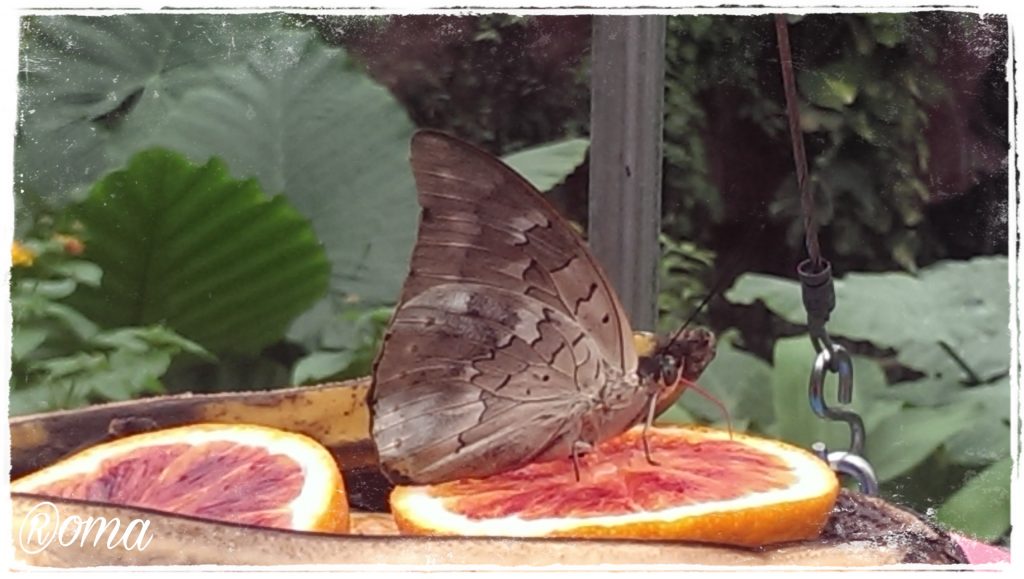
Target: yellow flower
21,256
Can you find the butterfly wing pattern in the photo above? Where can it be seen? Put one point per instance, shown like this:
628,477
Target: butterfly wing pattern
509,344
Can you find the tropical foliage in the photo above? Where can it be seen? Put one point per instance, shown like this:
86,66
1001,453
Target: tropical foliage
931,382
63,359
232,208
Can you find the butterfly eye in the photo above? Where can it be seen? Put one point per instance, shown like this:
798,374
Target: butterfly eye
669,370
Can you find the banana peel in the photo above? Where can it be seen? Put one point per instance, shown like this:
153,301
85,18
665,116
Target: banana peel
863,531
335,414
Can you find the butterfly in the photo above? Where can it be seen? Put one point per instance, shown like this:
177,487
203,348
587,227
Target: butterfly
508,344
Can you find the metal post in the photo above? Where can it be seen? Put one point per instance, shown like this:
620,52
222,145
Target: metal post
627,94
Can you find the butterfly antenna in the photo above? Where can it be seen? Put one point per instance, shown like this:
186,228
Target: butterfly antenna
715,290
719,285
711,398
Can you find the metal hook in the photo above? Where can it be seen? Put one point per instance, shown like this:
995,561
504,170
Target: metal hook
851,465
837,359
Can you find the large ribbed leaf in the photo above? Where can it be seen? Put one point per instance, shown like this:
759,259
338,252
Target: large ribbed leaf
81,77
187,246
271,100
548,165
982,506
962,305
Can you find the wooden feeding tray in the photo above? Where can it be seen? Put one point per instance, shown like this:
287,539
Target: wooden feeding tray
862,531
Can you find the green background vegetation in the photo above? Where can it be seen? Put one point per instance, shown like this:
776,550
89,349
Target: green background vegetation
224,202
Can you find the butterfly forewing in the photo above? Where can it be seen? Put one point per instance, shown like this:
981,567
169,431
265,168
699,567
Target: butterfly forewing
482,222
505,331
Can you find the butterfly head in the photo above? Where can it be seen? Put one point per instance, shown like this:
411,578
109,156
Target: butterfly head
671,364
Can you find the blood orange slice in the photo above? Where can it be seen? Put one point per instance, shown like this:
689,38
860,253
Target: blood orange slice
707,486
230,472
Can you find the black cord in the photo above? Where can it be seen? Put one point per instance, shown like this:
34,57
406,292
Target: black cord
815,273
797,137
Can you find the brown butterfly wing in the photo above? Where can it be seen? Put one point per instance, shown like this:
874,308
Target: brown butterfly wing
474,380
482,222
501,293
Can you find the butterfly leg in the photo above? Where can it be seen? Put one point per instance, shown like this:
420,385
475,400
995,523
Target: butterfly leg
647,426
579,448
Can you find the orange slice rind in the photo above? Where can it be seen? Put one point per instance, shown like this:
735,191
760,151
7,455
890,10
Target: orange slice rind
232,472
708,487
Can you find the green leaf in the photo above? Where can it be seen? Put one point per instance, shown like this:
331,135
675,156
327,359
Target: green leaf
320,365
964,304
934,360
904,440
79,363
982,507
129,374
985,436
74,380
924,392
741,381
982,442
349,344
116,365
80,271
794,419
993,398
834,86
303,121
888,29
147,339
71,319
51,289
778,294
271,100
44,397
25,339
864,43
214,259
548,165
80,77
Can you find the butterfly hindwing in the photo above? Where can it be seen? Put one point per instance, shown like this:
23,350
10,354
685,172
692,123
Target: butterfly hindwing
468,371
